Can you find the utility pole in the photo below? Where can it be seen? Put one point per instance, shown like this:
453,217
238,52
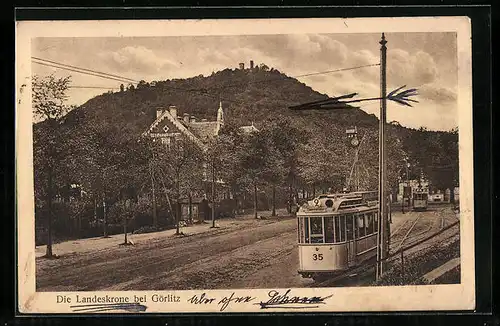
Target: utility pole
383,230
408,183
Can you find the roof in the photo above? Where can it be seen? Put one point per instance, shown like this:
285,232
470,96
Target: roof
204,129
178,124
333,203
194,200
248,129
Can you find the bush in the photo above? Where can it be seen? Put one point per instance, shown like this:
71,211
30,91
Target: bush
146,229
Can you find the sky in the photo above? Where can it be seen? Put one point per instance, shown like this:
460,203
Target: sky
426,61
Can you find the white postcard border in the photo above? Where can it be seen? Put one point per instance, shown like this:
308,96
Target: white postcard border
395,298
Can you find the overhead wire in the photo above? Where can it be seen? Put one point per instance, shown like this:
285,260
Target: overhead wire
85,69
201,91
298,76
81,72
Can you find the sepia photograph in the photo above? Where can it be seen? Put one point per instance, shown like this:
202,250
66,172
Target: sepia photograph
230,166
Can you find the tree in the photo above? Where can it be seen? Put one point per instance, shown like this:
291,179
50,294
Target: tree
287,139
219,159
181,162
49,97
105,158
142,84
323,163
257,163
122,87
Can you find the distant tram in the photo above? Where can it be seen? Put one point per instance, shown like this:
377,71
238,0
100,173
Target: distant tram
336,232
420,200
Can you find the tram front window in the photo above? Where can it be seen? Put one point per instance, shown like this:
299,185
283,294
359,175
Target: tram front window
316,225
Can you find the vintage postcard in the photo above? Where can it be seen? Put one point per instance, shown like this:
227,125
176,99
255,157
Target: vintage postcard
256,165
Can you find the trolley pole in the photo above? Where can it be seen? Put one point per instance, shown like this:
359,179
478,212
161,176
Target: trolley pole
383,231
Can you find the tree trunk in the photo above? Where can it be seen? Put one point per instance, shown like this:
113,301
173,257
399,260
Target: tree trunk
105,218
255,199
314,189
95,209
125,212
213,192
155,217
289,208
79,226
274,201
177,206
190,207
48,252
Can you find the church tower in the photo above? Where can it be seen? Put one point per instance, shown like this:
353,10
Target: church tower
220,118
220,114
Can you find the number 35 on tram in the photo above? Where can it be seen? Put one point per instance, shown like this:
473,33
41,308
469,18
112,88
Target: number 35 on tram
336,232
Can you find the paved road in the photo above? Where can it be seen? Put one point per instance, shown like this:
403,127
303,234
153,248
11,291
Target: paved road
244,254
259,254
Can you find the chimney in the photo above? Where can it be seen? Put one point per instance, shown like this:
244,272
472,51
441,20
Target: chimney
192,119
251,64
242,66
159,111
186,117
173,111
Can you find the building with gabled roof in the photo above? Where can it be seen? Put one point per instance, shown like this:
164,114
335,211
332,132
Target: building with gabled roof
169,125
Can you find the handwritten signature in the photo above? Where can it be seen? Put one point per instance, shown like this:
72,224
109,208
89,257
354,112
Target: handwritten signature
285,300
130,307
223,303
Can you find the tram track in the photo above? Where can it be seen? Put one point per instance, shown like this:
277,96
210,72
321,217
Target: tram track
408,232
414,234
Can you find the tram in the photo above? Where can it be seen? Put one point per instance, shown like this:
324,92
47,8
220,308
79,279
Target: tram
336,232
420,200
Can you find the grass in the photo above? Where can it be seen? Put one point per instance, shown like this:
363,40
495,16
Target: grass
418,264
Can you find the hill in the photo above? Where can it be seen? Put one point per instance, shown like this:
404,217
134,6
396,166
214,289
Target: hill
259,96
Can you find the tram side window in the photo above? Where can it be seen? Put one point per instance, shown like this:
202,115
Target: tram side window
361,225
337,229
340,228
329,230
300,222
375,222
369,223
306,229
349,227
